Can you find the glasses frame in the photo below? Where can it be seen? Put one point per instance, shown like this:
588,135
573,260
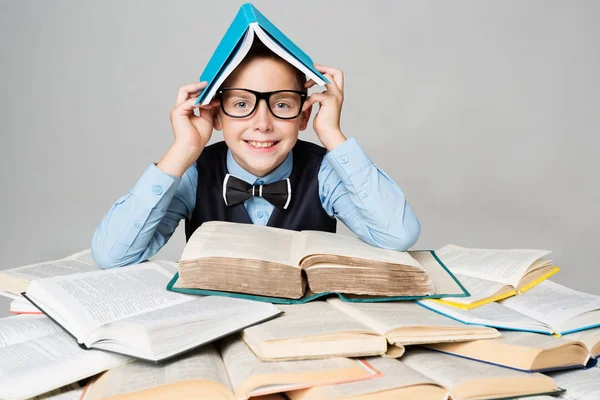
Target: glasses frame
260,96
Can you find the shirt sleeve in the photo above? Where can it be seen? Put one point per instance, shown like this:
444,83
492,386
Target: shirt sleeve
141,222
366,199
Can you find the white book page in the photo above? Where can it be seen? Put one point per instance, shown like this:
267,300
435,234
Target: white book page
244,241
451,371
73,264
22,306
204,364
97,298
533,340
580,384
20,328
317,242
69,392
553,304
588,337
491,314
387,316
479,289
503,266
228,69
37,366
241,363
302,320
283,53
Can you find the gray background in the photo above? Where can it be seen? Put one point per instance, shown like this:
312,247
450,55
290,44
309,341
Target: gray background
484,112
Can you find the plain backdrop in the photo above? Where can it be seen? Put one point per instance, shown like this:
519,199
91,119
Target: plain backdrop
486,113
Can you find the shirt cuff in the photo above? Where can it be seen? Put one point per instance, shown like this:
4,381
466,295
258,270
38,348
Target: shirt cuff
348,158
155,187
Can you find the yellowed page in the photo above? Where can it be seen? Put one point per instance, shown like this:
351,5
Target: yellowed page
505,266
590,337
244,241
69,392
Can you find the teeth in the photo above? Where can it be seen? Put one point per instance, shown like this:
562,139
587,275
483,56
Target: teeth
262,144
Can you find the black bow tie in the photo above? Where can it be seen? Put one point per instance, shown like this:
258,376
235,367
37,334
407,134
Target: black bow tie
237,191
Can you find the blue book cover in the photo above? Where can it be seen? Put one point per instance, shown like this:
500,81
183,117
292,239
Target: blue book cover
232,40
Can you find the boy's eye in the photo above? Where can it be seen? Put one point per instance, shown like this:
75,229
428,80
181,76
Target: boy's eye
240,104
281,106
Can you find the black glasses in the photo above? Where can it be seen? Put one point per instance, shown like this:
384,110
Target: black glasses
241,103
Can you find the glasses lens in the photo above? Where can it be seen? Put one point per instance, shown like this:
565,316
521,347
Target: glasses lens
285,104
238,103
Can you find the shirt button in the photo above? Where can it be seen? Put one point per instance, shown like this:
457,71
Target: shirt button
157,190
260,182
260,214
136,224
344,160
364,194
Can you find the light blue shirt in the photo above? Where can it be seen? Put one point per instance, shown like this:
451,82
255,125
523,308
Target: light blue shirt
351,188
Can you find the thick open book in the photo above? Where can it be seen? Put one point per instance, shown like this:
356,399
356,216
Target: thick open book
523,350
250,25
279,264
38,357
336,328
490,275
128,311
228,371
548,308
426,374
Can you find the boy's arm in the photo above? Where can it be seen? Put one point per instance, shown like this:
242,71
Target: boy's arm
142,221
366,199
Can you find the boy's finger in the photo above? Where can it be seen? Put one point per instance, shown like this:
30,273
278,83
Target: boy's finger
310,83
338,75
186,90
312,99
333,86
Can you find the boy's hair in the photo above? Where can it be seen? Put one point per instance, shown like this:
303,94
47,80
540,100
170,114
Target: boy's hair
261,51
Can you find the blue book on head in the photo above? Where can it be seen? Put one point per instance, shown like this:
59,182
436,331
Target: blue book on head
249,25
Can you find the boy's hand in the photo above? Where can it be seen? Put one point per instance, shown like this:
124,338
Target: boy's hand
192,132
327,121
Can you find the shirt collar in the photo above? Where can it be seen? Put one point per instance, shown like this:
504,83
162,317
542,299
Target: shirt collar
283,171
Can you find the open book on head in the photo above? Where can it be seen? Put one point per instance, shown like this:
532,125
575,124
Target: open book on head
250,25
127,310
276,265
226,371
493,274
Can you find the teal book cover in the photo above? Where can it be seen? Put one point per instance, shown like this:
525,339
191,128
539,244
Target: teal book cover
231,41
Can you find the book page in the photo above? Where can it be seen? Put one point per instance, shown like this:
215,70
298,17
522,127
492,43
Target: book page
503,266
69,392
386,316
244,241
533,340
442,280
74,264
491,314
479,289
395,375
451,371
100,297
552,303
37,366
203,364
302,320
317,242
580,384
241,363
589,337
20,328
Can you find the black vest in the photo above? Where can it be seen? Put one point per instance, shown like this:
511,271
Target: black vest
304,212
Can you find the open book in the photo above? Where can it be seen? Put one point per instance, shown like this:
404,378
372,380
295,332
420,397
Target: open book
491,275
580,385
522,350
38,357
426,374
126,310
228,372
279,264
336,328
22,306
249,25
548,308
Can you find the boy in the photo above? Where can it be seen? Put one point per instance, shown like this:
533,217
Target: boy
260,108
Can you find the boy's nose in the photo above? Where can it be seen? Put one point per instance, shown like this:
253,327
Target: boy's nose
262,117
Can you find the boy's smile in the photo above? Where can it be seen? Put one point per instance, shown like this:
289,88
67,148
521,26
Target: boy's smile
260,142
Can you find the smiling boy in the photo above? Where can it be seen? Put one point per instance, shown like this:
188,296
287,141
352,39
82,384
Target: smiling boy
261,173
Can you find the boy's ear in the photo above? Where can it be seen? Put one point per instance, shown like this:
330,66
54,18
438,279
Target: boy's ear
304,118
217,121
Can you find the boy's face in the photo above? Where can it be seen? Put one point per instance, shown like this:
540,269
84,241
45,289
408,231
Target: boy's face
245,136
